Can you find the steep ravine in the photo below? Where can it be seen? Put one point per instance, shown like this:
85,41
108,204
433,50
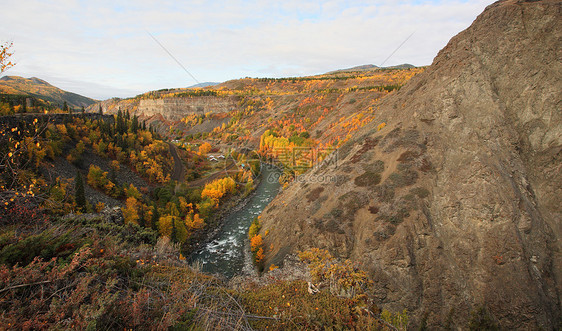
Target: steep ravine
226,253
455,206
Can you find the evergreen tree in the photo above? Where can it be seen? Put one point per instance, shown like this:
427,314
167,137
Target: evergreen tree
80,196
100,110
118,140
174,235
141,216
135,124
107,128
155,217
83,110
120,124
113,177
65,108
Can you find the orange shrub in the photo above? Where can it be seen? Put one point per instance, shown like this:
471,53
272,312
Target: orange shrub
218,188
256,242
205,148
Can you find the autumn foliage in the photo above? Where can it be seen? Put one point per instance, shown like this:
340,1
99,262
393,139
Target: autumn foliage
5,55
205,148
342,278
256,242
218,189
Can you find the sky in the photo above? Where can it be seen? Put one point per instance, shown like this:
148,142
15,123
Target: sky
103,49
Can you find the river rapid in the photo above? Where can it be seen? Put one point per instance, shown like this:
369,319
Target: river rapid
227,253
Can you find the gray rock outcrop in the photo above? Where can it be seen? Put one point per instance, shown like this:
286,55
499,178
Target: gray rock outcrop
174,109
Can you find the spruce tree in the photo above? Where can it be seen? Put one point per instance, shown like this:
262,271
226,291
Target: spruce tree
121,124
155,217
135,124
80,196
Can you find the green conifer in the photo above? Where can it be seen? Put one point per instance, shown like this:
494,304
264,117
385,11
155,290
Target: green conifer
80,196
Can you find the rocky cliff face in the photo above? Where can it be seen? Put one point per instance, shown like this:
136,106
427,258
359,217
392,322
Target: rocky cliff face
171,109
174,109
457,203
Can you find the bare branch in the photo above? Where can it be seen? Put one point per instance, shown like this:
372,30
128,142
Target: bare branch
24,285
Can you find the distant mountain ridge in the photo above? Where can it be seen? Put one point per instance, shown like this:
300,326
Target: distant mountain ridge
367,67
38,88
204,84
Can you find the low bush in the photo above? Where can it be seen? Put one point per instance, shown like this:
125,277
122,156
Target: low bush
368,179
403,178
314,194
289,306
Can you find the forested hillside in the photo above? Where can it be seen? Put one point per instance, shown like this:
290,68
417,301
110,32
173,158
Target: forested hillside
18,93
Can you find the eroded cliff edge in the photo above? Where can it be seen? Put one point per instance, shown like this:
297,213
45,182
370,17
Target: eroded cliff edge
457,203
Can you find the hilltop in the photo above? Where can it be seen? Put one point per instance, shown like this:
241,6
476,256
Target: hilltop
42,90
204,84
369,67
326,108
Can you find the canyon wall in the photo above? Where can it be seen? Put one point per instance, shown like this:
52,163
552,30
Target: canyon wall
455,207
174,109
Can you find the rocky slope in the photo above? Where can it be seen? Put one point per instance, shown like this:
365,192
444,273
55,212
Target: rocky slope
327,108
456,204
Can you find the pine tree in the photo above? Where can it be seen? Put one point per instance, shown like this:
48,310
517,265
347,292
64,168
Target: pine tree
65,108
83,110
100,110
80,196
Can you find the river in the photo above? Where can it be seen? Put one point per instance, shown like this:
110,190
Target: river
226,254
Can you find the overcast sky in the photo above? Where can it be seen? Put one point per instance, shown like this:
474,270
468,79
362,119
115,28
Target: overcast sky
103,49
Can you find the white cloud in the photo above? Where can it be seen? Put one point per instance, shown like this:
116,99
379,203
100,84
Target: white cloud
105,42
